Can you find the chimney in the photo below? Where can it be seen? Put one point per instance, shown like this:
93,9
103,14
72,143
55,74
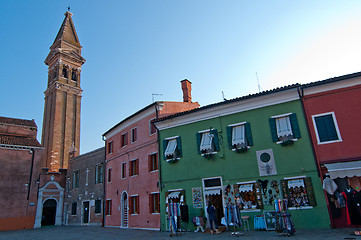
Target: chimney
187,89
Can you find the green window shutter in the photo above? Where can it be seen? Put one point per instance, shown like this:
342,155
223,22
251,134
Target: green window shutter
259,195
294,124
248,134
199,138
326,128
229,137
165,142
215,139
310,192
272,125
179,147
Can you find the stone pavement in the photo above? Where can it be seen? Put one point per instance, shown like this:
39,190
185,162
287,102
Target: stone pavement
99,233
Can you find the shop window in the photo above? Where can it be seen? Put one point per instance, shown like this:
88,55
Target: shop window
73,208
134,135
124,140
172,148
109,175
153,162
124,165
152,129
248,195
110,147
76,179
98,206
134,204
326,127
108,207
133,167
99,174
299,192
207,142
284,128
154,203
239,136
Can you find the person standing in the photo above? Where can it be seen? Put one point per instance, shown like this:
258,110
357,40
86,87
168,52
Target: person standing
212,218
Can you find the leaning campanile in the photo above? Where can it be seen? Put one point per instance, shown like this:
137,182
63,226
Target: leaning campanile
61,122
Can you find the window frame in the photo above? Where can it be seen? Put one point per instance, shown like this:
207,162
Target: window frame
76,178
134,135
154,203
177,154
153,161
124,170
247,136
74,208
95,207
134,167
152,126
335,124
99,173
124,140
293,121
110,147
108,207
134,204
109,175
256,190
214,142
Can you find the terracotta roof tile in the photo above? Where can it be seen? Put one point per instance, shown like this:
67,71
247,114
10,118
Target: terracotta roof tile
16,121
19,141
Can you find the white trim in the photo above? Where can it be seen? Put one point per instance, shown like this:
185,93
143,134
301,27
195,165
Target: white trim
170,138
135,195
344,83
175,190
300,208
294,140
290,178
282,115
246,182
204,131
237,124
250,210
334,123
154,192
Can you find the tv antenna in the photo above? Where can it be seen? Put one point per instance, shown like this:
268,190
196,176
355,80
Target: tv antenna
224,99
259,87
155,94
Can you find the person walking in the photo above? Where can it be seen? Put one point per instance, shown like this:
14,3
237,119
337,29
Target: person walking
212,218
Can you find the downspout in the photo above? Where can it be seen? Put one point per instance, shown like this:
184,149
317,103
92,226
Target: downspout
31,171
104,172
158,143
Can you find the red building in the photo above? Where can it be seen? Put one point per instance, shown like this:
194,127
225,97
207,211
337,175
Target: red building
20,158
132,177
332,108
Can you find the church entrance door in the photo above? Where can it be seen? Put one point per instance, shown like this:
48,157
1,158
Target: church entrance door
49,213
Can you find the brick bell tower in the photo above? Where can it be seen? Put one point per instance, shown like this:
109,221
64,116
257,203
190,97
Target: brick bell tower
61,122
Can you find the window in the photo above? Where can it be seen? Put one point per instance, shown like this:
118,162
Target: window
76,179
207,141
110,147
239,136
108,207
326,128
73,208
152,129
64,72
248,195
172,148
98,206
134,167
98,173
124,170
73,75
134,204
134,135
298,191
109,175
284,128
124,140
154,203
153,162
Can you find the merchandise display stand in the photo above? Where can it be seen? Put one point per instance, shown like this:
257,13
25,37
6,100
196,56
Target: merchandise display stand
233,219
174,216
284,223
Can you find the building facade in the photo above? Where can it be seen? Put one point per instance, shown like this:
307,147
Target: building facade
20,158
61,122
132,172
333,117
243,153
84,194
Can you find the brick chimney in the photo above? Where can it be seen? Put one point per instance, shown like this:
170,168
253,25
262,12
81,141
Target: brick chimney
187,90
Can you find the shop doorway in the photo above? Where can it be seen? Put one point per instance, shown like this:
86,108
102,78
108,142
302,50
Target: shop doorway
86,212
217,202
49,213
124,213
212,192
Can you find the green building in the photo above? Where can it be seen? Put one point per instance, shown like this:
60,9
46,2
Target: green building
248,152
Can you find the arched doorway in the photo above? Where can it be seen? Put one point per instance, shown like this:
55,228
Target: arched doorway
124,204
49,212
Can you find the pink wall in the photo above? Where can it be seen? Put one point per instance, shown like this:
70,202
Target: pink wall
346,104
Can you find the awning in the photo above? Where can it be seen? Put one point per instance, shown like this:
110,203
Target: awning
344,169
212,192
296,183
174,195
246,187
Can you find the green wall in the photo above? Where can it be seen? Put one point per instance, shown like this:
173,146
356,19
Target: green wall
291,161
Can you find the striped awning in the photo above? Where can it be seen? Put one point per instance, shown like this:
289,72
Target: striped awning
174,195
212,192
344,169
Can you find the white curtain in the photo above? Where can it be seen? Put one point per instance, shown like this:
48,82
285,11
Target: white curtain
238,135
206,142
283,126
171,146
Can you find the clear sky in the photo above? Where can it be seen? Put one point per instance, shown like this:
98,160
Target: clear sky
136,48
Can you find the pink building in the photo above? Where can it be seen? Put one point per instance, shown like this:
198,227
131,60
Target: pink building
132,177
332,108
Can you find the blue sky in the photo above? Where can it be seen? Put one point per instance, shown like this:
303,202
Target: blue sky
135,48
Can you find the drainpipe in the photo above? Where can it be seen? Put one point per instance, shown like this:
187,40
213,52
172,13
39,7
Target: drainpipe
104,183
31,171
158,142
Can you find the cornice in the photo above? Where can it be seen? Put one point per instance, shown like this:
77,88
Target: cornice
58,86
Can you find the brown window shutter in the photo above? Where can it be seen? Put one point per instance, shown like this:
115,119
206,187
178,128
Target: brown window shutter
310,192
